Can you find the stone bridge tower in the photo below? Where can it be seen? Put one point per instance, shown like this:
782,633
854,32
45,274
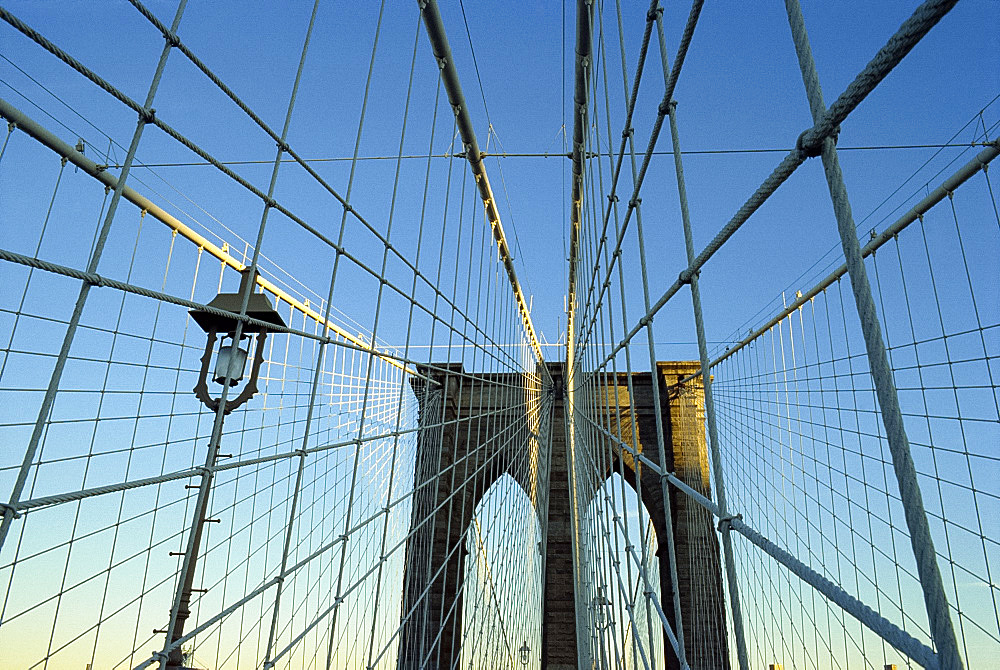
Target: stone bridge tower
469,425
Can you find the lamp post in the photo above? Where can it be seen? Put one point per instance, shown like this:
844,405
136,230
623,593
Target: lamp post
525,652
602,621
220,319
602,606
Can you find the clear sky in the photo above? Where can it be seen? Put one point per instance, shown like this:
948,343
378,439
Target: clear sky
740,89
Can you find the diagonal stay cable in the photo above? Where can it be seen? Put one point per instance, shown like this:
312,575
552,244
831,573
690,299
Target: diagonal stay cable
890,55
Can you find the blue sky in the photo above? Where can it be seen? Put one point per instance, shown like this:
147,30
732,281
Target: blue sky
740,89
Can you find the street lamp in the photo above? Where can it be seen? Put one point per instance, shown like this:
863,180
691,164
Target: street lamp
525,652
602,607
231,358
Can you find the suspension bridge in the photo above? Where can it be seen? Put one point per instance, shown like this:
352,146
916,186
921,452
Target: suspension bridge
295,373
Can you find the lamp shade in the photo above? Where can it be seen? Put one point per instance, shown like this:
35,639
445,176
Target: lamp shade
259,307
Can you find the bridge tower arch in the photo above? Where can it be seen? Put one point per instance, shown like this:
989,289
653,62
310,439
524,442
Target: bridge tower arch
474,430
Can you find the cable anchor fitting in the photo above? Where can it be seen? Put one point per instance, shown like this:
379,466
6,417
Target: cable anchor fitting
666,107
15,514
726,522
687,275
815,148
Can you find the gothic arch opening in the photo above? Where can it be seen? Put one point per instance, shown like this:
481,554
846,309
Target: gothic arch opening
621,547
503,565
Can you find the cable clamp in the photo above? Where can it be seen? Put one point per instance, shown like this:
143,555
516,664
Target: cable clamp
442,62
147,115
612,198
814,148
687,275
654,13
457,109
4,507
628,132
635,202
726,522
666,106
172,39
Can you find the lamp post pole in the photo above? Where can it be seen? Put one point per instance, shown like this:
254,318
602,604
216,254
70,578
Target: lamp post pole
230,364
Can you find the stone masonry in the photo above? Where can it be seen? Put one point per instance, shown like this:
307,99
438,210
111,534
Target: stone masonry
469,436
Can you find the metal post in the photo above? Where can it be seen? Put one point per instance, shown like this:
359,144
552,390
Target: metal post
935,599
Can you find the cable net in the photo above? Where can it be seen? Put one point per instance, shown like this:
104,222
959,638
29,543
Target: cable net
394,477
765,517
379,501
